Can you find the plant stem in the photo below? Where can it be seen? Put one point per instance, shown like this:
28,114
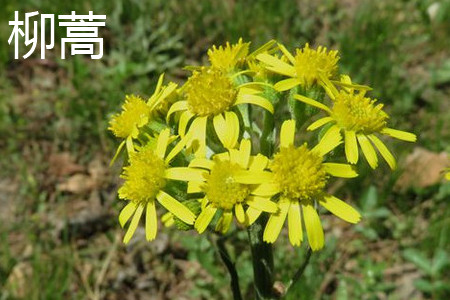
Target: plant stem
262,259
224,255
300,271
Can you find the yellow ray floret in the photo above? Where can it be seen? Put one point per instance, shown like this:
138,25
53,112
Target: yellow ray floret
299,178
211,95
306,68
145,180
359,119
227,188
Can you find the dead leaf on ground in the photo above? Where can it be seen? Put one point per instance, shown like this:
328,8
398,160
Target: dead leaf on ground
63,164
422,168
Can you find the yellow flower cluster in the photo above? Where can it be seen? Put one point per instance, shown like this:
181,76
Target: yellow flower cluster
204,160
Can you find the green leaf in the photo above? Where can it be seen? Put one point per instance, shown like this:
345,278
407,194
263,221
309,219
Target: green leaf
418,259
440,260
423,285
369,199
342,290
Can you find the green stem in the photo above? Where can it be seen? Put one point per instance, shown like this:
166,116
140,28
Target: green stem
262,259
224,255
299,272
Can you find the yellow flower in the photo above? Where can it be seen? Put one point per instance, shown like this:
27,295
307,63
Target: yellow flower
210,94
136,113
299,178
306,68
228,185
227,58
360,118
145,179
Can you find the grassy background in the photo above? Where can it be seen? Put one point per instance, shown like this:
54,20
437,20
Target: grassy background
59,238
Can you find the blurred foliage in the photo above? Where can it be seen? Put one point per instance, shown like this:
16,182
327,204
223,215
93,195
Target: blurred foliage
401,48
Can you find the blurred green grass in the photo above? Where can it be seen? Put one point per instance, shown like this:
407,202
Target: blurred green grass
401,48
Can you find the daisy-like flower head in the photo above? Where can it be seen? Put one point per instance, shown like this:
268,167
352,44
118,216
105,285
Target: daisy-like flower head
360,119
306,68
211,94
227,58
145,180
228,185
137,113
299,178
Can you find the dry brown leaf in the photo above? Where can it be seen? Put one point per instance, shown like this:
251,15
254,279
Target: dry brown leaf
62,164
78,184
422,168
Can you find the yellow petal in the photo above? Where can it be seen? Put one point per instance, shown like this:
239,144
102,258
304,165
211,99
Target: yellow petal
262,203
133,225
340,170
286,53
203,163
233,129
186,116
119,149
244,153
276,221
286,84
314,228
240,214
151,224
220,127
325,82
384,151
130,146
195,187
252,214
174,206
399,134
126,213
276,65
295,225
368,151
198,139
319,123
287,133
351,147
312,102
253,177
340,209
163,140
205,218
185,174
178,147
350,85
258,162
266,189
177,106
244,98
330,140
224,222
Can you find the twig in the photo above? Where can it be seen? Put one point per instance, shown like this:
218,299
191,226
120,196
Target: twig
231,268
300,271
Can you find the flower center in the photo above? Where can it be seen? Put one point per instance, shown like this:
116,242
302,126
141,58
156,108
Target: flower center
309,63
221,188
299,172
209,92
358,113
228,57
144,177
